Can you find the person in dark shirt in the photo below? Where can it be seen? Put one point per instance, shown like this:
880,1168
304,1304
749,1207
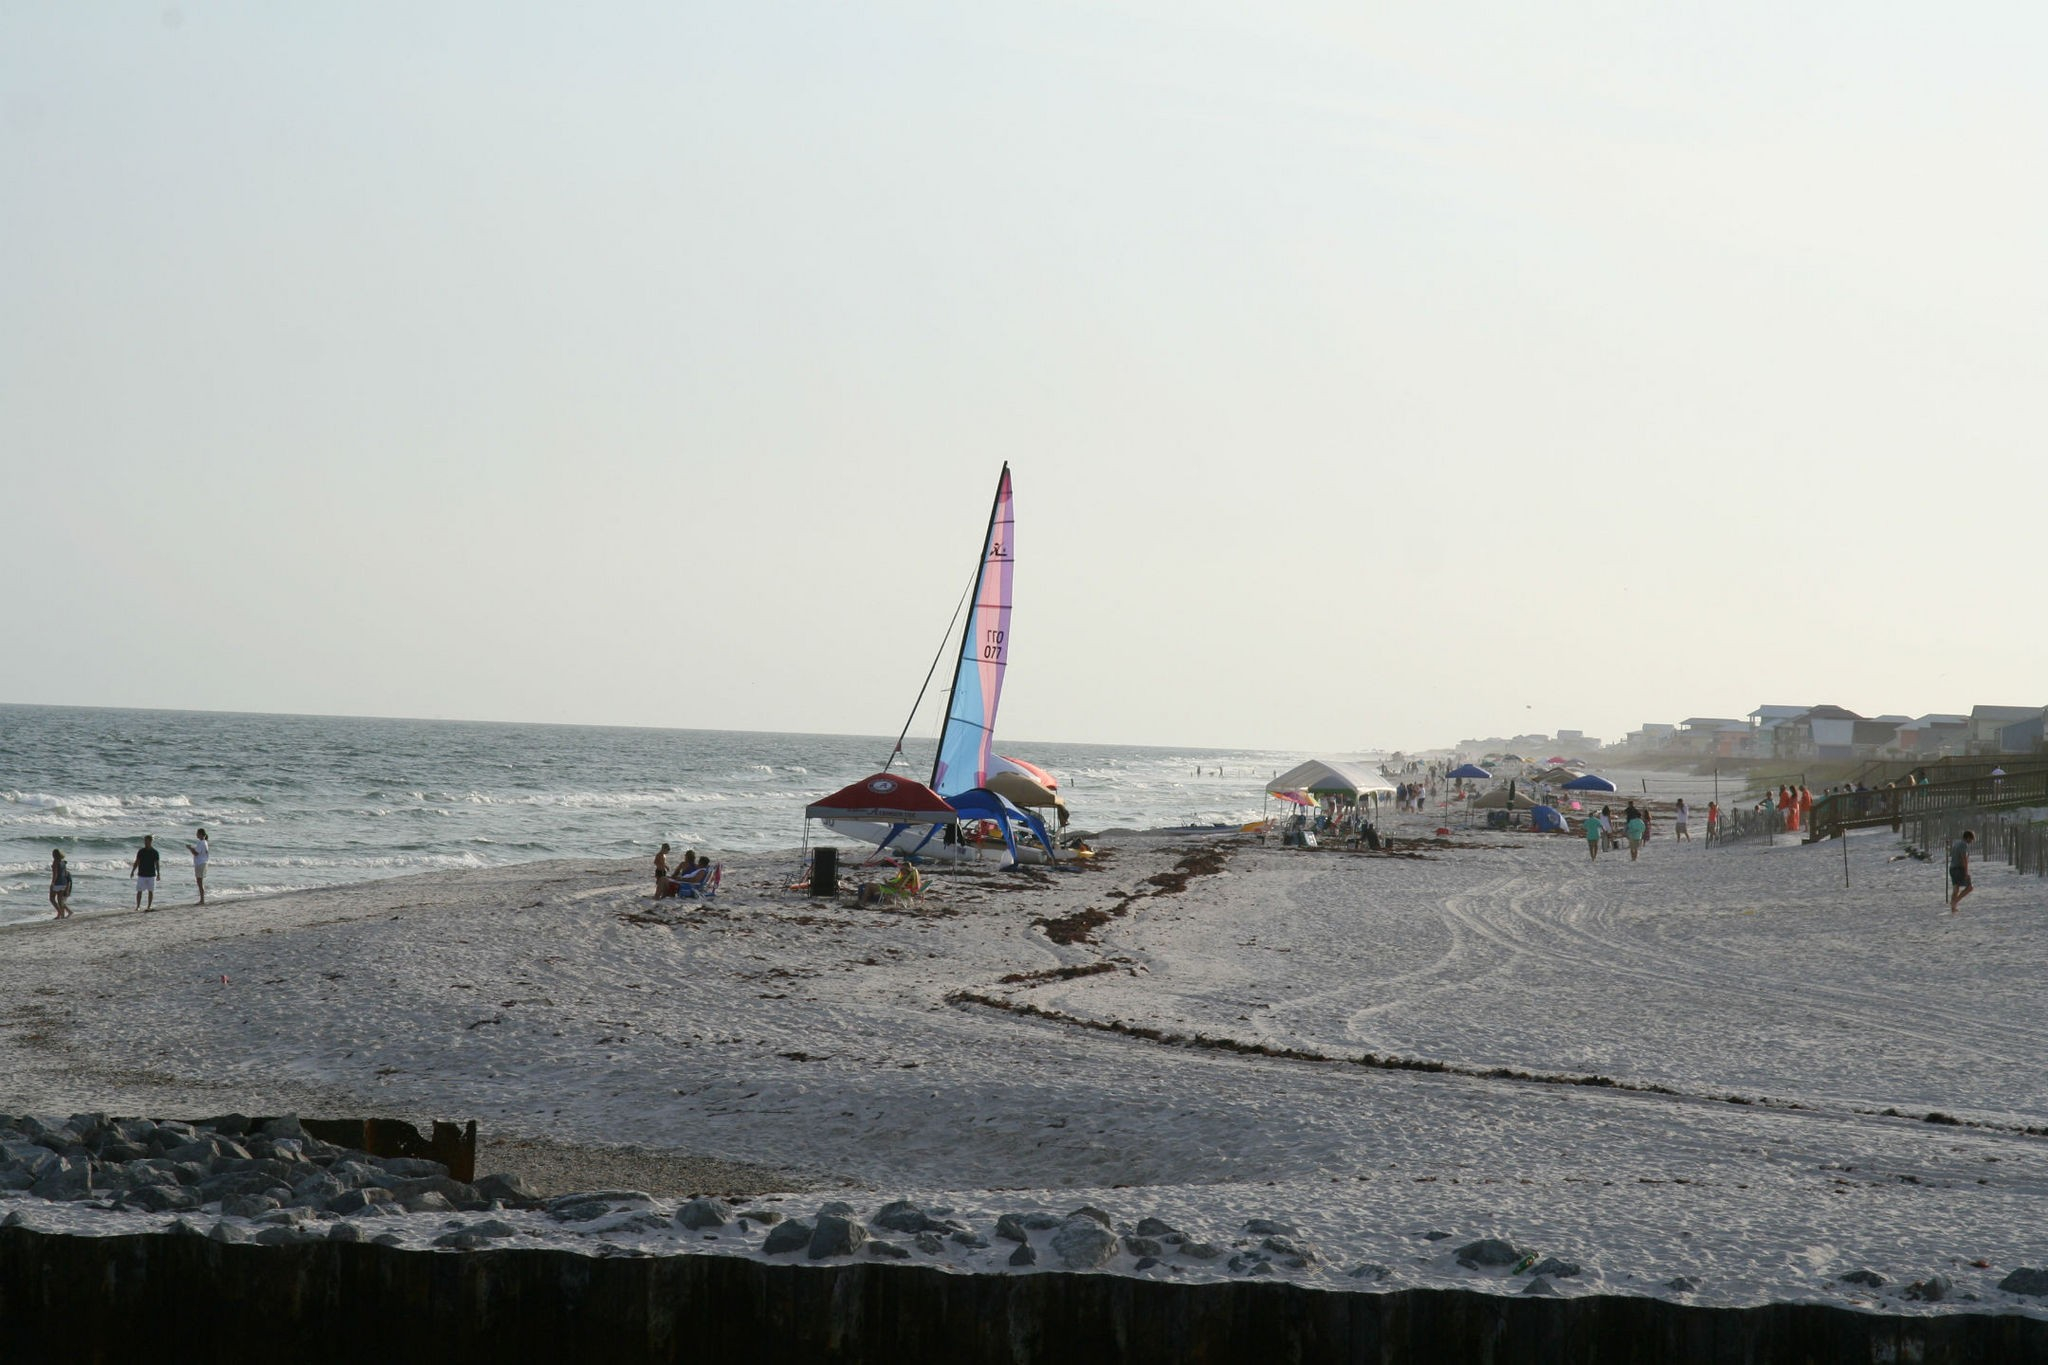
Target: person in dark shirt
1959,884
144,865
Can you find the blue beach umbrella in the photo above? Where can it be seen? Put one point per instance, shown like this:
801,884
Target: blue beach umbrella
1591,782
1472,771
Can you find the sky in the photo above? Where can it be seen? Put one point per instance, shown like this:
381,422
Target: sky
1371,375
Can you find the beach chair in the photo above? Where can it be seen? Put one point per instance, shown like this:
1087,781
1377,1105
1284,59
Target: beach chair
704,888
906,885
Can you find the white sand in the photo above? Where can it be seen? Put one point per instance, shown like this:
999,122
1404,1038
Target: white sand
823,1040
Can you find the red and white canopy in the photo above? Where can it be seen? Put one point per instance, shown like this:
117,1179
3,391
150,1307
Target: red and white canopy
889,797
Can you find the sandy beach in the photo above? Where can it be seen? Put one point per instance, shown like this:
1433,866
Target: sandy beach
1719,1069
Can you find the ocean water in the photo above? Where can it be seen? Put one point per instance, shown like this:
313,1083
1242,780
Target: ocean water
299,801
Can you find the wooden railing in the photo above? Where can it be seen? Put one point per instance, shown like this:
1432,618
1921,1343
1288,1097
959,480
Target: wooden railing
1832,815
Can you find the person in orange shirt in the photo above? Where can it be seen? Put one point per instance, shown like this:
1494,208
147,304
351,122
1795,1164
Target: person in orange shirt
1786,807
1805,807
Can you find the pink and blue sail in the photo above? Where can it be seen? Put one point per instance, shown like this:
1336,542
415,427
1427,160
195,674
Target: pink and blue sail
966,743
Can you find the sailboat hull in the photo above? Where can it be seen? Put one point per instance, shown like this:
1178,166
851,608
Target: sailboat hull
934,849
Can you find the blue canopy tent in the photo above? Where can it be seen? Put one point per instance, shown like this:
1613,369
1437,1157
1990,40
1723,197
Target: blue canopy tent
1591,782
1470,771
980,803
1546,820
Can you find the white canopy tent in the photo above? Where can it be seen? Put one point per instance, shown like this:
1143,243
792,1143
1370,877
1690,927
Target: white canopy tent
1327,777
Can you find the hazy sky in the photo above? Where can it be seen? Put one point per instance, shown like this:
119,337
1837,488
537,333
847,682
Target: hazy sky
1371,374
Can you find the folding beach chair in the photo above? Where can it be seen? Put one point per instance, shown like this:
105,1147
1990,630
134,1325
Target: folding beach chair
705,890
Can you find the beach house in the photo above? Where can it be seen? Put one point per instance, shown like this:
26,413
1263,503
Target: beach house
1988,725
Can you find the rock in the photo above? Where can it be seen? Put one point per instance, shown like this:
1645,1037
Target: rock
647,1220
930,1243
836,1235
315,1191
430,1201
887,1251
1201,1251
1540,1284
1436,1236
1555,1269
1090,1211
68,1178
1024,1255
282,1237
387,1239
1146,1262
767,1218
287,1127
1010,1227
1261,1268
1286,1246
355,1201
201,1152
229,1125
185,1227
1165,1232
699,1214
1083,1243
973,1241
1487,1251
1371,1270
410,1167
508,1190
1266,1227
461,1196
462,1240
344,1232
228,1232
33,1159
1682,1284
112,1149
793,1235
901,1215
2026,1280
835,1208
1869,1279
1933,1289
14,1219
158,1199
494,1227
285,1217
603,1197
15,1178
1143,1246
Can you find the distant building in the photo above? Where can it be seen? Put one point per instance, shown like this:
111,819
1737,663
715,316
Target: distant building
1933,735
1988,723
2022,736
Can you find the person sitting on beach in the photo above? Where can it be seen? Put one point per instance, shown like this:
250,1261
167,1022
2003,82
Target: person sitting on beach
693,873
60,884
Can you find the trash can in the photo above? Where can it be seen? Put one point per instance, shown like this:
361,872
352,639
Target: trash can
824,872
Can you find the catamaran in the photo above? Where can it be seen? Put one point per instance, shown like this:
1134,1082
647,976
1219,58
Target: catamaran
970,782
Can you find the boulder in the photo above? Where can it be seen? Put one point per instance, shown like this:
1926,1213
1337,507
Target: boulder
2026,1280
355,1201
1371,1270
930,1243
461,1240
886,1251
1933,1289
1266,1227
1146,1262
509,1190
286,1127
246,1205
1023,1255
835,1208
1553,1268
900,1215
283,1236
974,1241
1540,1284
699,1214
1200,1251
1089,1211
1010,1227
1487,1251
410,1167
430,1201
1163,1231
1082,1243
1144,1246
344,1231
1281,1245
494,1227
793,1235
1681,1284
836,1236
228,1232
1869,1279
767,1218
158,1199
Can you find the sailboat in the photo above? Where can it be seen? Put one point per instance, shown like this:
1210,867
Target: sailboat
884,809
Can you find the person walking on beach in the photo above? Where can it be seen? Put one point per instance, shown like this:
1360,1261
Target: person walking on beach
1679,816
200,853
1637,827
143,867
1594,829
1713,821
1959,884
60,884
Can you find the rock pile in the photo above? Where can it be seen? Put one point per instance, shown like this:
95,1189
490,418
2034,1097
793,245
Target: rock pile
279,1176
